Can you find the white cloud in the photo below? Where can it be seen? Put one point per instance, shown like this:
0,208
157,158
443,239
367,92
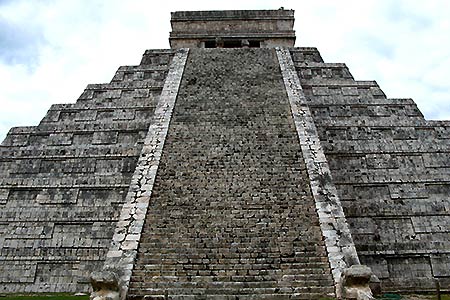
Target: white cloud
404,45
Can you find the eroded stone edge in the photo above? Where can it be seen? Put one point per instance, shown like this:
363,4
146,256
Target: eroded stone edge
335,230
123,250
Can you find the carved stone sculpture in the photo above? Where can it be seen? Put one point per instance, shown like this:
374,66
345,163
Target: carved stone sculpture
105,285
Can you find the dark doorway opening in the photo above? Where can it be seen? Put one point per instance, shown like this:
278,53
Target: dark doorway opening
210,44
255,44
232,44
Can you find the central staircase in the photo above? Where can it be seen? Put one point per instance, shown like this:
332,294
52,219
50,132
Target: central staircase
231,214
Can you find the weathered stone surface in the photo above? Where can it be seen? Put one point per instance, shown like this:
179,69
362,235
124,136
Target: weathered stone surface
105,285
340,248
123,249
355,283
231,213
232,28
390,167
63,182
104,279
254,192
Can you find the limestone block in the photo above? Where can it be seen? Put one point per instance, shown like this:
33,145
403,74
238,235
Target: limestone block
407,190
439,223
57,196
123,114
85,115
14,140
440,265
104,137
26,166
4,195
355,283
436,160
52,115
105,285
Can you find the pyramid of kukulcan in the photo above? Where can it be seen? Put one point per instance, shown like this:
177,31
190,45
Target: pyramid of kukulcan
231,166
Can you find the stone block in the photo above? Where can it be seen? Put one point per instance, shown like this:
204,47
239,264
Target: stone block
105,286
4,193
355,283
104,137
440,265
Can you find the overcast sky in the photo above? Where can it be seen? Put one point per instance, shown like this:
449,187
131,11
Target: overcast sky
50,50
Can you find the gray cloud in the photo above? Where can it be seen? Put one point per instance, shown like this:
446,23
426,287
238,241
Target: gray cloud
401,11
383,48
19,43
5,2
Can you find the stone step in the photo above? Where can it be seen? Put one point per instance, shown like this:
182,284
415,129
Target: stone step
175,272
310,293
295,280
213,291
249,229
223,264
300,296
238,288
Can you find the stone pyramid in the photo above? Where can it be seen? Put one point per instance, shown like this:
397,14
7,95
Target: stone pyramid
231,166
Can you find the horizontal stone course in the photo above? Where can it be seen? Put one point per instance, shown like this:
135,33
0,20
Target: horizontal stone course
63,182
391,170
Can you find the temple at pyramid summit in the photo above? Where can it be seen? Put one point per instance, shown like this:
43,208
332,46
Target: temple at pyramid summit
233,165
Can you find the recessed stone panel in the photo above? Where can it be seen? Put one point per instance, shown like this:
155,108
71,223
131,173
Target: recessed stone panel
54,196
61,192
17,272
440,265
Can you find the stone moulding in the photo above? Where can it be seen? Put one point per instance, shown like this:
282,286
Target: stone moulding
338,240
123,250
270,27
